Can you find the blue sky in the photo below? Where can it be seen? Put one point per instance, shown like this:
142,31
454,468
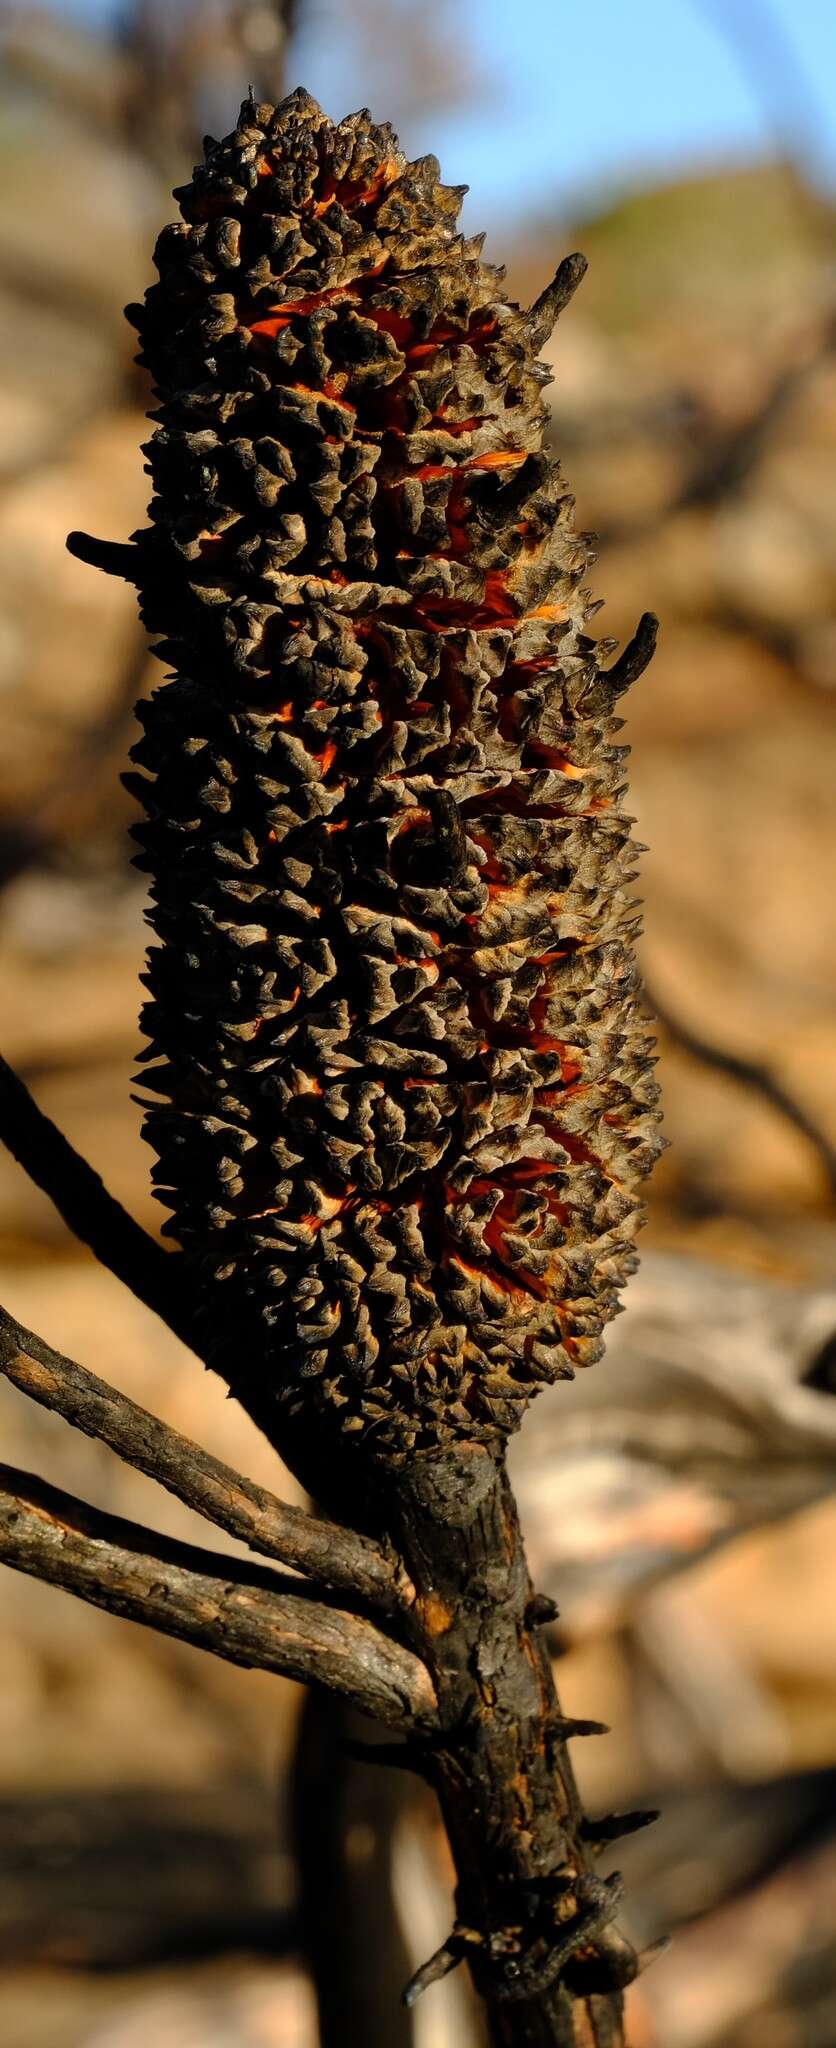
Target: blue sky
598,93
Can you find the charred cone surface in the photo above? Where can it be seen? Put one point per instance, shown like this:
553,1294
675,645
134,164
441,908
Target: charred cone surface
407,1100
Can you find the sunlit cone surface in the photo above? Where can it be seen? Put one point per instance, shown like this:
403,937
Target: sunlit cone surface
394,1012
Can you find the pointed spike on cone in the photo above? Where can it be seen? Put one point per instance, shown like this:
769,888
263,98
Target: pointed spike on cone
116,558
636,656
543,316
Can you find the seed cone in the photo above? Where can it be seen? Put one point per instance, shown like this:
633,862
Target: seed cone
394,1015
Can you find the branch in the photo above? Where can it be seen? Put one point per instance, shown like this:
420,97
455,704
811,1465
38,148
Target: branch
758,1079
228,1608
34,832
635,657
337,1557
728,465
93,1215
731,458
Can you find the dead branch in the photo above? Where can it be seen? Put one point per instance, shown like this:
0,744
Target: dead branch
751,1074
726,465
239,1612
338,1558
81,797
90,1212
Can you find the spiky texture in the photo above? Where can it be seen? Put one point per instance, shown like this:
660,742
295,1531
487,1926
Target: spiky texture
395,1009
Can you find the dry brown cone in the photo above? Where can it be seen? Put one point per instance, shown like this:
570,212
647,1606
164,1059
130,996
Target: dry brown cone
407,1093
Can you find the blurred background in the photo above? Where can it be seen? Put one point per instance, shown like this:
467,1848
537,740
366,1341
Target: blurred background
164,1826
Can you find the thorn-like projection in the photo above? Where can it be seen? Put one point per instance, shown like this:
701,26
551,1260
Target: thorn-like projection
541,1610
440,1964
517,1971
546,310
114,557
612,1826
634,660
564,1728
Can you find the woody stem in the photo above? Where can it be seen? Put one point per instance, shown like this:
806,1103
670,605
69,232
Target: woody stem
533,1920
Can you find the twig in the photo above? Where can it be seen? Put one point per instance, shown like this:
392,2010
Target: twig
336,1557
36,832
752,1075
114,557
222,1606
439,1965
635,657
543,316
732,458
728,467
90,1212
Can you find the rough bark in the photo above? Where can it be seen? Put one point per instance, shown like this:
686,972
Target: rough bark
528,1904
532,1918
90,1211
239,1613
337,1557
